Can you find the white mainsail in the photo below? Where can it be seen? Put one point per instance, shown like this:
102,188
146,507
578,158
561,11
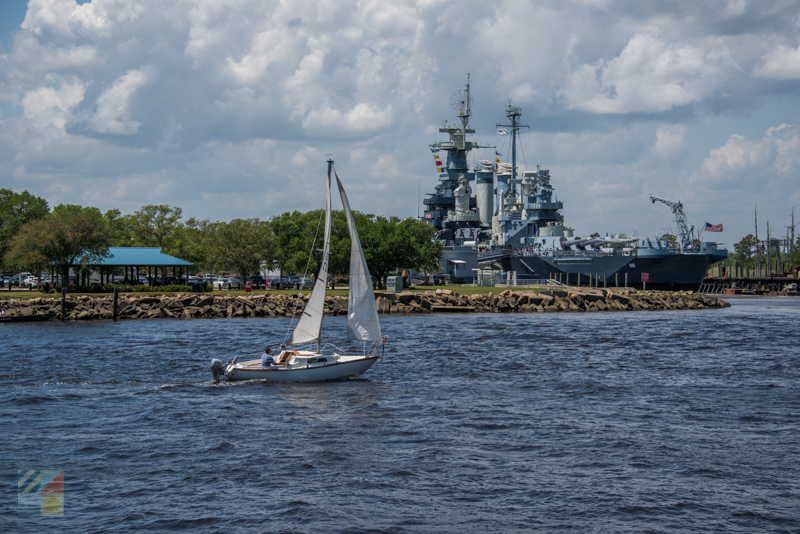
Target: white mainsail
310,324
362,313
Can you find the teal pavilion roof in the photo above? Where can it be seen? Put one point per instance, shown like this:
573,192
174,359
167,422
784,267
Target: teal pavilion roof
142,256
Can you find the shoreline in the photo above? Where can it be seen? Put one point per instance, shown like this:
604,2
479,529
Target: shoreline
208,306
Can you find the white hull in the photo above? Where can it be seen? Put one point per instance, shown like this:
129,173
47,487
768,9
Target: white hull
344,367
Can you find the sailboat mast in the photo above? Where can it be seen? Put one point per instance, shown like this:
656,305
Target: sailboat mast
330,167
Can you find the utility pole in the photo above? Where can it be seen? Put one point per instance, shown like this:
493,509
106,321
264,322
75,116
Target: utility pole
768,247
757,265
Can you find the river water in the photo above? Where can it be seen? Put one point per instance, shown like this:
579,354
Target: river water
590,422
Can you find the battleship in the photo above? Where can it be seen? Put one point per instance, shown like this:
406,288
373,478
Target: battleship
512,230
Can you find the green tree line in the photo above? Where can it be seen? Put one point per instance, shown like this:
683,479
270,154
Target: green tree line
749,250
35,238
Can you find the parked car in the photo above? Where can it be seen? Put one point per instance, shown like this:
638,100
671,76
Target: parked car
256,281
304,283
273,282
231,282
288,282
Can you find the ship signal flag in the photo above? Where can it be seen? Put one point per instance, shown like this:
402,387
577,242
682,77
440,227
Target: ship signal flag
713,227
502,131
438,161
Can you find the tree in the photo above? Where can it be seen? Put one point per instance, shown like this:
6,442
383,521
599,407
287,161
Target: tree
670,239
65,236
194,242
243,244
745,249
392,244
155,225
119,226
794,257
16,209
298,233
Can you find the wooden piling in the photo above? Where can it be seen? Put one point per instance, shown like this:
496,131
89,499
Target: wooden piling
114,313
63,303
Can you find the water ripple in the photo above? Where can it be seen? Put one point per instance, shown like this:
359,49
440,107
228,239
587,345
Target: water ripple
630,422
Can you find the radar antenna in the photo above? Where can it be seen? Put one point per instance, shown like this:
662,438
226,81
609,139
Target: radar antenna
685,228
461,103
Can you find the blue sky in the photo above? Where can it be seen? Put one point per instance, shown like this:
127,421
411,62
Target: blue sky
228,109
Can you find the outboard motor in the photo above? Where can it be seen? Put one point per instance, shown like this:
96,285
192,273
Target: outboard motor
216,368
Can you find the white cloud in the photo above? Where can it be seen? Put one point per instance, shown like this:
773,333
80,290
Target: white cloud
122,102
783,63
365,117
749,164
650,76
49,108
113,113
670,140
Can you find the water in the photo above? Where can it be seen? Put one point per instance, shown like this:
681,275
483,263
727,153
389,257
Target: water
605,422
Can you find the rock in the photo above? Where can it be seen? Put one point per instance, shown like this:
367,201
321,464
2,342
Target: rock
405,296
204,301
383,304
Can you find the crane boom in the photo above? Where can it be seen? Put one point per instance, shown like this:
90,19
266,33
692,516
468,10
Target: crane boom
685,228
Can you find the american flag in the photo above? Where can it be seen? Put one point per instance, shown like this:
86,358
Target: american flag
713,227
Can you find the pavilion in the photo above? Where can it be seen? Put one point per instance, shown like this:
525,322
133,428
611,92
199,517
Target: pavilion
138,258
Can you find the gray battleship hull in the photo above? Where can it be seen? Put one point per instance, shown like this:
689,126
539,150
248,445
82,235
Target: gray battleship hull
667,271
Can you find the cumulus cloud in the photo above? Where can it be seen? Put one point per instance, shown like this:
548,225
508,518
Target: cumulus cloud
752,164
746,172
649,75
113,113
670,140
783,63
49,108
123,101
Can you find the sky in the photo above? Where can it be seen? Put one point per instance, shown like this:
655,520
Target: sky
230,108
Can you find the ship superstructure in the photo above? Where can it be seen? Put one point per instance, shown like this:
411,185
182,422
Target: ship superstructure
513,223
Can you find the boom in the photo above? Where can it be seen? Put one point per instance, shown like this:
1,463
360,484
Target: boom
685,228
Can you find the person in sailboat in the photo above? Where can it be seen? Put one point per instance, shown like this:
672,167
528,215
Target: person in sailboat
266,358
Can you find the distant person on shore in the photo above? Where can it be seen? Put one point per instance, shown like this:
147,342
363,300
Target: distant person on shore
266,358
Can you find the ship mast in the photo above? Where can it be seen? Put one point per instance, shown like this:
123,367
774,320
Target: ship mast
513,113
464,113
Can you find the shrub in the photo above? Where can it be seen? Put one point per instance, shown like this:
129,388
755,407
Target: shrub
109,288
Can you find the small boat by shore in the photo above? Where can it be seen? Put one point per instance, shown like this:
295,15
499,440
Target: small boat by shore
26,318
362,322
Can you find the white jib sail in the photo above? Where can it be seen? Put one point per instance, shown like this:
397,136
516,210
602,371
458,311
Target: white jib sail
310,324
362,313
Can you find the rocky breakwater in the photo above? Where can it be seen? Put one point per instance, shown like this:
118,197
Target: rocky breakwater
177,306
444,300
189,306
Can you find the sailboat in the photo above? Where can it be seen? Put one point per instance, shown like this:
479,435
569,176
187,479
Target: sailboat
295,364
